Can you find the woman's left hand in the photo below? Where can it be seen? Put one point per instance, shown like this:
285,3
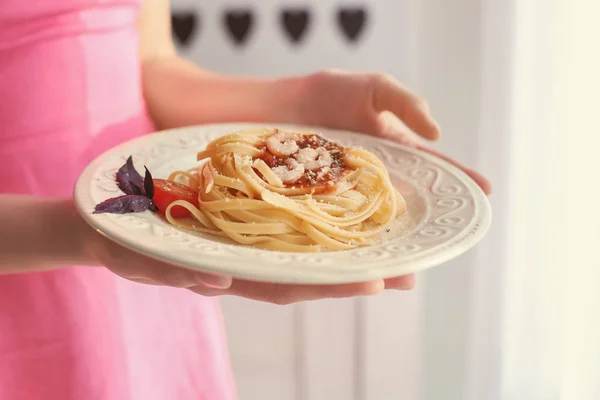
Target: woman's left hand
375,104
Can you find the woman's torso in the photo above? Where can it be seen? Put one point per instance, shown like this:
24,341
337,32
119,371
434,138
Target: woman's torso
69,90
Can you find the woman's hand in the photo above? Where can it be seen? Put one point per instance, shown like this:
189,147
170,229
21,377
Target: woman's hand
138,268
375,104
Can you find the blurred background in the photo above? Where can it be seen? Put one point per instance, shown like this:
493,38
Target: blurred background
514,85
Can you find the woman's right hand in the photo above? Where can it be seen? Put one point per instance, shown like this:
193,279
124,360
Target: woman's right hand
136,267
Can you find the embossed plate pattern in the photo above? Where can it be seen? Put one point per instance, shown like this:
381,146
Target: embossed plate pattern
447,214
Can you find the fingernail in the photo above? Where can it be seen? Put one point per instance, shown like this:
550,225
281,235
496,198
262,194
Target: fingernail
438,131
407,285
403,283
375,288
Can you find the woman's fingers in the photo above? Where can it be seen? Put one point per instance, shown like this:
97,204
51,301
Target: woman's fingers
287,294
139,268
349,100
158,273
390,95
406,282
388,126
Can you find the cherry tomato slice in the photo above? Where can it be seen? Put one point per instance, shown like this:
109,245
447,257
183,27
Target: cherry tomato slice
166,192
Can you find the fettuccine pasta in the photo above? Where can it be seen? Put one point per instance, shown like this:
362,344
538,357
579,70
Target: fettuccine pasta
288,191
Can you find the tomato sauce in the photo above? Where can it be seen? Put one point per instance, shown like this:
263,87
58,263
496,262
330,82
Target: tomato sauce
322,179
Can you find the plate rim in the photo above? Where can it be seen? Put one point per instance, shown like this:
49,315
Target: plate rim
476,229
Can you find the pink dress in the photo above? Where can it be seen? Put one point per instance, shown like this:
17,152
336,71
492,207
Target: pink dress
70,89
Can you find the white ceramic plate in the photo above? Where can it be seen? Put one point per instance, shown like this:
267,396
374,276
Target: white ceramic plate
447,214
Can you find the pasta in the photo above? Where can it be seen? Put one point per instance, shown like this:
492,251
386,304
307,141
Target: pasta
288,191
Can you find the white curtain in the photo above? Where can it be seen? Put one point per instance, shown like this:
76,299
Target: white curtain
536,330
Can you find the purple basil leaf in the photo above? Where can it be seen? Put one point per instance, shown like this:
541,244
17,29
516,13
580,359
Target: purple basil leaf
135,189
126,175
124,204
148,184
153,207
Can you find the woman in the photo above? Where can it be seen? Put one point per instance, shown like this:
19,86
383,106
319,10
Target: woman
81,317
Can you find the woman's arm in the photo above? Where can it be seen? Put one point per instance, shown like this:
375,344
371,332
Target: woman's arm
179,93
43,233
38,233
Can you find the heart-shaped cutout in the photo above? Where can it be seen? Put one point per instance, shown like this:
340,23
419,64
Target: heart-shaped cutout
352,21
239,24
295,23
184,25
